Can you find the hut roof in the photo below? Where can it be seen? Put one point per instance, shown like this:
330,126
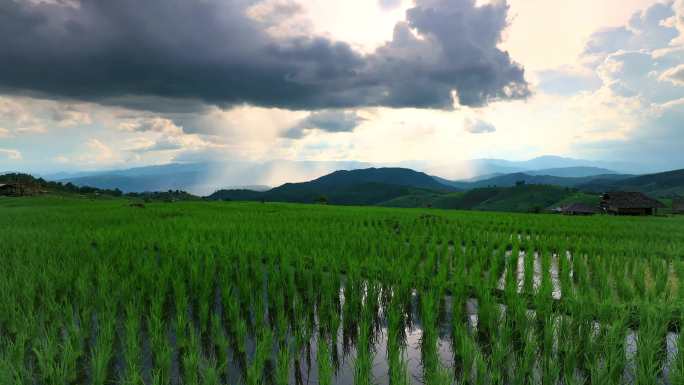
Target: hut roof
581,208
678,203
631,200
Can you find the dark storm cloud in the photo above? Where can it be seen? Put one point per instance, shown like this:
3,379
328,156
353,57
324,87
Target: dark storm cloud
145,53
329,121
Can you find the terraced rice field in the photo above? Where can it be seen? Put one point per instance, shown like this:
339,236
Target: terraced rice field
97,292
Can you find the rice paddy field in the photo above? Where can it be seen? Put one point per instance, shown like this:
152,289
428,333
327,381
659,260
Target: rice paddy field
99,292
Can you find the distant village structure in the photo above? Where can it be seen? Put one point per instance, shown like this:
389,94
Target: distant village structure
10,189
678,205
629,203
16,189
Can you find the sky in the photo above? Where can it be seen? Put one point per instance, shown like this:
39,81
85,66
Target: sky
93,85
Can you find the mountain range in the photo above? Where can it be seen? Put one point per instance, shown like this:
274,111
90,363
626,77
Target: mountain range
534,190
401,187
354,187
492,184
205,178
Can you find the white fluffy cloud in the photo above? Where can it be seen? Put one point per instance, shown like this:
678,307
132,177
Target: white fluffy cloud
634,112
27,116
678,20
154,124
674,75
19,115
10,154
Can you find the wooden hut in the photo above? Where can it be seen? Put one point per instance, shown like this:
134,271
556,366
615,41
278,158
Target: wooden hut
629,203
15,189
10,189
678,205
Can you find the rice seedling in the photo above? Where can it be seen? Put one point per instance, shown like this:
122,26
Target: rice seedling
324,360
101,353
396,341
282,369
650,354
133,351
364,356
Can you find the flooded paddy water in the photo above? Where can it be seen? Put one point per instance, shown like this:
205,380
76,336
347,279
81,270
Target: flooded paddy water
304,365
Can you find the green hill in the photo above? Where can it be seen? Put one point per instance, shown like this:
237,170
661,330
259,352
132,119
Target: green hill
509,180
524,198
660,185
357,187
396,187
29,185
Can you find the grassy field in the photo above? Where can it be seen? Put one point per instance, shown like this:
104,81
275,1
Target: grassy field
99,292
521,199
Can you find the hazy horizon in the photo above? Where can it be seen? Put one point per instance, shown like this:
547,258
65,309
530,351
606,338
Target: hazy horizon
203,178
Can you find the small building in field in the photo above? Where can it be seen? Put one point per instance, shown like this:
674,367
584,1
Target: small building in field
16,190
629,203
580,209
678,206
10,189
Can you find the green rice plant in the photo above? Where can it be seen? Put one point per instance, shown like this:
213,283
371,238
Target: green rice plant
102,350
396,338
609,366
527,358
238,325
282,369
161,347
46,350
650,356
324,360
191,356
430,358
13,358
210,373
364,358
132,344
220,341
255,371
465,351
679,269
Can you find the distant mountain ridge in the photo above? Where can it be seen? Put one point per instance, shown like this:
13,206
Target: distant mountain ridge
404,187
549,165
388,175
572,172
206,177
401,187
202,178
357,187
665,184
508,180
